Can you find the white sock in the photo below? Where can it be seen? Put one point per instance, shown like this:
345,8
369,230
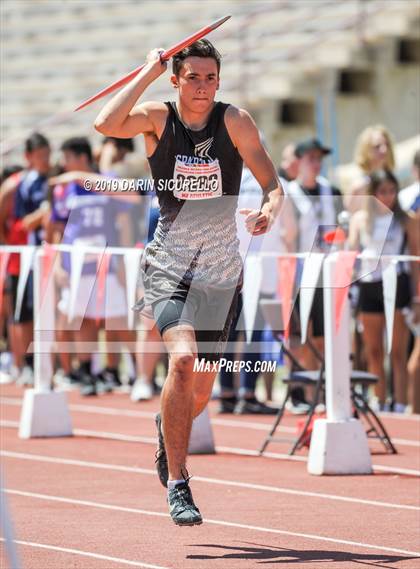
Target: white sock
173,483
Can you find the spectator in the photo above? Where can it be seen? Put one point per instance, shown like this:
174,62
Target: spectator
11,233
382,228
317,204
374,151
30,207
413,365
147,360
289,165
90,218
112,154
279,239
408,196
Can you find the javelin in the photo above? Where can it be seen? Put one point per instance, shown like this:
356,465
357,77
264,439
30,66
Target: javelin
164,57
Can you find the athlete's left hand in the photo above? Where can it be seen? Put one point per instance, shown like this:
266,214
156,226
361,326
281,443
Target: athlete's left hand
257,221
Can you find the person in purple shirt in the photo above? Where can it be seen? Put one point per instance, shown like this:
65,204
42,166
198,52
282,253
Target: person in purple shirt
94,219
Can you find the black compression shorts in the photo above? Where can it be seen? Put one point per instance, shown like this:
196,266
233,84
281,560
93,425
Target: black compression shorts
210,310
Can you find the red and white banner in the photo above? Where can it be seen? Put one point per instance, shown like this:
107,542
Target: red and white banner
77,260
310,275
389,286
132,266
102,268
286,280
26,263
342,281
251,292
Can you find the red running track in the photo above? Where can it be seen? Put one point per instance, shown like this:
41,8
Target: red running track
94,501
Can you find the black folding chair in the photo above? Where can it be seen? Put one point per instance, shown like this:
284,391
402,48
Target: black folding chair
359,382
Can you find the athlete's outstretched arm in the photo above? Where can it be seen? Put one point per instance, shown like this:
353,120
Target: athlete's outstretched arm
119,117
245,136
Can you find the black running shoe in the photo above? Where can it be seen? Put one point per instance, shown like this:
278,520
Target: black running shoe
109,380
181,506
88,385
227,404
161,458
254,407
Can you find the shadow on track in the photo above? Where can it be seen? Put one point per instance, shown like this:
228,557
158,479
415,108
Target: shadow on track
267,554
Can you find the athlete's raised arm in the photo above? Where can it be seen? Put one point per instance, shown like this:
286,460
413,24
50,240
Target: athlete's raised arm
120,117
245,136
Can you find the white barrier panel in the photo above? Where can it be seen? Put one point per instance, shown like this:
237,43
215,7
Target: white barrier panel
339,443
45,413
131,265
201,439
26,262
310,275
251,292
389,285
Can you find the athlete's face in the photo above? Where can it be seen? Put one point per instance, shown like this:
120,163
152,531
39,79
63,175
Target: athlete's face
197,82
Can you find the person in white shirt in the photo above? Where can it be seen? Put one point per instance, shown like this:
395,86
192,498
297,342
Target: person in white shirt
408,195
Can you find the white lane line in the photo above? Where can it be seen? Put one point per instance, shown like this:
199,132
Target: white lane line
406,442
218,481
214,522
391,469
115,411
400,416
87,554
221,449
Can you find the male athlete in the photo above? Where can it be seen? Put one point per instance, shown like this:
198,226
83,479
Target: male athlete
192,269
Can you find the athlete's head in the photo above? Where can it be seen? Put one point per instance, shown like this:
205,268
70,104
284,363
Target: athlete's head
37,153
77,154
196,74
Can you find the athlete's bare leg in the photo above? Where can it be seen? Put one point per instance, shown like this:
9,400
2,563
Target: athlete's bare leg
177,401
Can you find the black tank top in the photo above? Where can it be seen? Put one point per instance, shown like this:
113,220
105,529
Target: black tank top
190,147
197,177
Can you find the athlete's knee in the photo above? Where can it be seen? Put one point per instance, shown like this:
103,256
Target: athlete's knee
182,364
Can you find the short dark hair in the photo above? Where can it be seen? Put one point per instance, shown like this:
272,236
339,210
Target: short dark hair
200,48
416,161
78,145
36,140
121,143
